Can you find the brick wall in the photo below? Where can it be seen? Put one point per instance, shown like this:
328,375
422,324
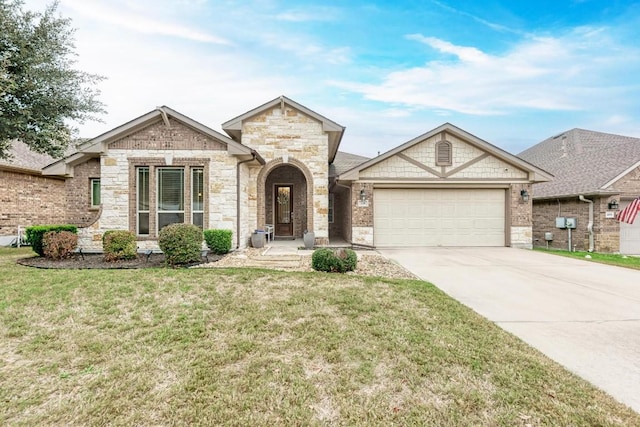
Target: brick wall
341,226
29,199
78,194
606,230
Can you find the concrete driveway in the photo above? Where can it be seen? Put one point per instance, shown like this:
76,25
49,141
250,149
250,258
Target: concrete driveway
585,316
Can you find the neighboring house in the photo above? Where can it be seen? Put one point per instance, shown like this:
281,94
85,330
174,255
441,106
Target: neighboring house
602,168
279,165
26,196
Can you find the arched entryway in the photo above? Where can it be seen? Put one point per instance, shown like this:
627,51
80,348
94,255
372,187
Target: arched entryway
285,198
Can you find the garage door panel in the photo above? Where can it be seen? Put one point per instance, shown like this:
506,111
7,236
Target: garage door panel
630,235
438,217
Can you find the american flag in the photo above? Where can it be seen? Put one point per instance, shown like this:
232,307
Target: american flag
629,213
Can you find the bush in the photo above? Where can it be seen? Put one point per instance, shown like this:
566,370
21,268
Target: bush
59,244
219,241
36,233
340,261
181,243
119,245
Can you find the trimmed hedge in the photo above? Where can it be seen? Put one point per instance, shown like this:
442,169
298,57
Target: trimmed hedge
119,245
181,243
35,234
218,240
340,261
59,244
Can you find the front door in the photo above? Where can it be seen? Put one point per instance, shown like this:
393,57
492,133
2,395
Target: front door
284,210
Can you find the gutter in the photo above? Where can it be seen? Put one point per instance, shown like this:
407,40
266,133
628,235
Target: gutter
590,224
254,156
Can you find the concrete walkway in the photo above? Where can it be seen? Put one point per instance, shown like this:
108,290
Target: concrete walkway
584,315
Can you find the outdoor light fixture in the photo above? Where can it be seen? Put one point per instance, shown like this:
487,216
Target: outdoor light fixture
613,204
524,194
363,196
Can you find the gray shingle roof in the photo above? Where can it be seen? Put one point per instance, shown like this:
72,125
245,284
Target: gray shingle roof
582,161
344,162
23,157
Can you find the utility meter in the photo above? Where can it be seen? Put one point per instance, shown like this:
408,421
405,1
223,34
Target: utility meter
571,222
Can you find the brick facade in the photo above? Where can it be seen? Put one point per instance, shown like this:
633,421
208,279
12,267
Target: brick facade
78,194
28,198
606,230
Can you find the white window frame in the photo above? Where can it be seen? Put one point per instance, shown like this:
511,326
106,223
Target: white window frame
92,194
147,211
158,211
193,191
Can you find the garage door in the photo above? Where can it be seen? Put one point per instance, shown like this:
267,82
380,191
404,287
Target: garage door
629,235
438,217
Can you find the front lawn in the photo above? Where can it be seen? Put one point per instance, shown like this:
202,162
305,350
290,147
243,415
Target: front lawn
611,259
264,348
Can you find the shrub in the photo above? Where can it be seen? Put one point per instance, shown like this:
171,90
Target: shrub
341,261
219,241
118,245
59,244
181,243
36,233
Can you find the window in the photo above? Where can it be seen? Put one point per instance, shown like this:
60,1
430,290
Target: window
330,210
95,192
170,196
443,153
197,197
143,200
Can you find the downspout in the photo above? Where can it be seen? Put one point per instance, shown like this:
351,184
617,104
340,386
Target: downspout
590,224
253,155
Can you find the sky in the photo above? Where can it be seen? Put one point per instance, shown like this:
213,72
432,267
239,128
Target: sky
512,73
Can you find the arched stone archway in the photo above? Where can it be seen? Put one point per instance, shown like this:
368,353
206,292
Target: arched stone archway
262,196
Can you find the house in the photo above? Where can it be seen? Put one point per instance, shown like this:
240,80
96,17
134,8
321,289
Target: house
596,174
278,165
26,196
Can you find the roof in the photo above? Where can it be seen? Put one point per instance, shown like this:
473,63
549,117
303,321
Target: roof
335,131
344,162
583,162
22,157
94,147
535,174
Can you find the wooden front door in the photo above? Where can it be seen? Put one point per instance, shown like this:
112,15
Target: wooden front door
284,210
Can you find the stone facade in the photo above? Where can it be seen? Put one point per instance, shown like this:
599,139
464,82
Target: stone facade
28,198
118,180
284,135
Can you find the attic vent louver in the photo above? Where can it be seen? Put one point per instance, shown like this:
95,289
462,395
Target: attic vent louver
443,153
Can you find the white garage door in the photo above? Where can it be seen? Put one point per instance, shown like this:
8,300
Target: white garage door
438,217
629,235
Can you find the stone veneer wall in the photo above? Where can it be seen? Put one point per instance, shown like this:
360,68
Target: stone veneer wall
184,147
28,198
295,137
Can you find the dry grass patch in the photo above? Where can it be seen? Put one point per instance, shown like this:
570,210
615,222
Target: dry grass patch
264,348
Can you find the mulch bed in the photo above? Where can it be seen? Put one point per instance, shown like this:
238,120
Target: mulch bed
96,261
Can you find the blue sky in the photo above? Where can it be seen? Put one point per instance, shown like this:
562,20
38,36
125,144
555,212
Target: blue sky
510,72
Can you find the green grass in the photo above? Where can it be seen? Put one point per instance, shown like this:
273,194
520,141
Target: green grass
267,348
611,259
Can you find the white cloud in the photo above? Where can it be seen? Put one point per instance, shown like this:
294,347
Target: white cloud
544,73
138,20
310,14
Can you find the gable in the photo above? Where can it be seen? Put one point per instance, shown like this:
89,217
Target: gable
173,135
419,161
